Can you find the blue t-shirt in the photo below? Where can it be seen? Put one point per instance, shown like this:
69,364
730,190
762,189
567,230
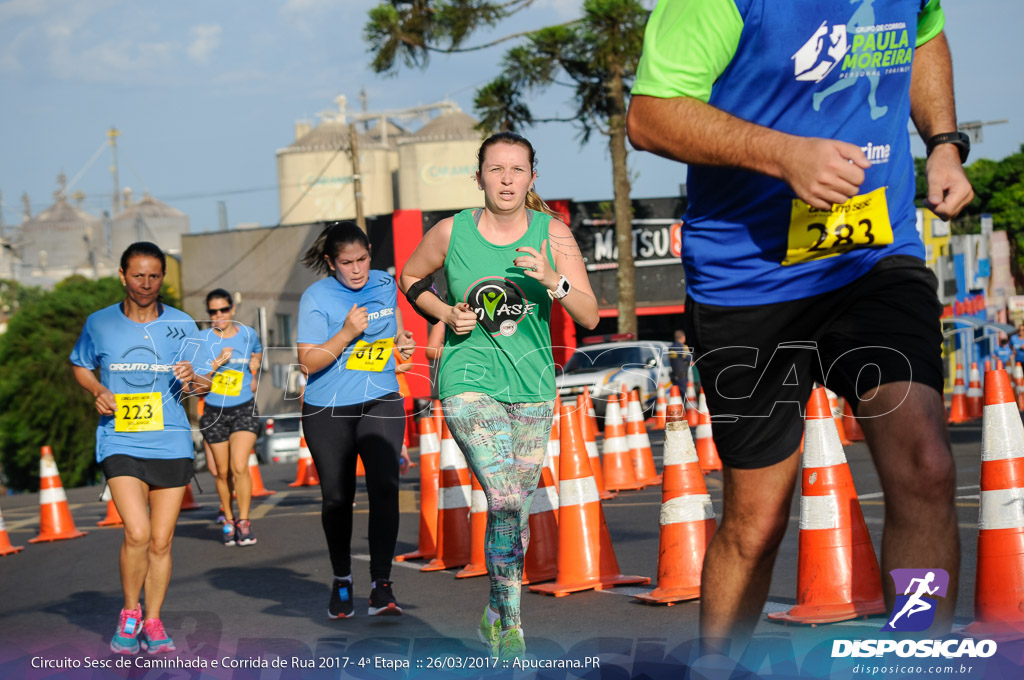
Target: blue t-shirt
136,363
232,383
366,369
1017,343
834,69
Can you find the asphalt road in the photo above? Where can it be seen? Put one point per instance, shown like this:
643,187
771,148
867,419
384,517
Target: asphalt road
253,607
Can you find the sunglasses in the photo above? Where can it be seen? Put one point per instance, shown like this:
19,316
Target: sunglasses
222,310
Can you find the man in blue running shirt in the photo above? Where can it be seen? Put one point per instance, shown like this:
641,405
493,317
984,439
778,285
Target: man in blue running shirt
800,245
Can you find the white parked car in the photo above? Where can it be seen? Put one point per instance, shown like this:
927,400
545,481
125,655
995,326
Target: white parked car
608,366
278,439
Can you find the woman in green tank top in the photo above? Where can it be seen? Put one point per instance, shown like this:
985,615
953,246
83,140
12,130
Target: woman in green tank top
504,265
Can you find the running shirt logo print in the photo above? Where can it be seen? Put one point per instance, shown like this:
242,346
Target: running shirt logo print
499,304
914,610
813,61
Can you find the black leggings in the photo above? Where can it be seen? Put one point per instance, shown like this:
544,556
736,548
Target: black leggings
376,431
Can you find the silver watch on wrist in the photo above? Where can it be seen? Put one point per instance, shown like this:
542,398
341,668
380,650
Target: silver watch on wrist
561,289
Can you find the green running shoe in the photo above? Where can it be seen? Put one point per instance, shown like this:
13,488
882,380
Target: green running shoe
512,645
489,633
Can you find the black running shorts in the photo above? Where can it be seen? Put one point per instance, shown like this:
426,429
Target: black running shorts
217,424
157,472
758,364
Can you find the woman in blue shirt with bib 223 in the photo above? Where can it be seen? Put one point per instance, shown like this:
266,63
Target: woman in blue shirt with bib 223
349,324
230,420
144,350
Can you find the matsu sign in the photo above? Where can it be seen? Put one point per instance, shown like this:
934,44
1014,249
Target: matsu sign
655,242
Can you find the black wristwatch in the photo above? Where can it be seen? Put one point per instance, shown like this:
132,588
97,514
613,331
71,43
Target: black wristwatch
958,139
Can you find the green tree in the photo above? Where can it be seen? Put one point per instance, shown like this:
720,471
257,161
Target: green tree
40,401
595,56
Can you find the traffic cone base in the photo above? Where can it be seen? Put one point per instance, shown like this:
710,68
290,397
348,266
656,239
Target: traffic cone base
542,557
113,518
478,533
188,501
5,541
430,459
454,533
258,490
55,521
305,473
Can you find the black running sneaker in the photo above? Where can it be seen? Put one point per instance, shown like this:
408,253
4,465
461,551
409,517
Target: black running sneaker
243,529
382,600
341,606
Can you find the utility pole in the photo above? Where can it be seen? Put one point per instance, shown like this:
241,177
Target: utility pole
357,183
115,202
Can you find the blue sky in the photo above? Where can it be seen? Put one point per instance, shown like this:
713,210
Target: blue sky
204,93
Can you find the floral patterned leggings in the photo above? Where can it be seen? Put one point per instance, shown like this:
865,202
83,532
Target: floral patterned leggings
504,445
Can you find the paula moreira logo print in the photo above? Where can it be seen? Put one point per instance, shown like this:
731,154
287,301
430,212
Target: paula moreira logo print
917,595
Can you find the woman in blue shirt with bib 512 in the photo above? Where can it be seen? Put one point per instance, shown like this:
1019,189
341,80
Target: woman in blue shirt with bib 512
144,350
349,324
230,420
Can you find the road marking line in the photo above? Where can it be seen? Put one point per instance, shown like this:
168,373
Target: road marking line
263,508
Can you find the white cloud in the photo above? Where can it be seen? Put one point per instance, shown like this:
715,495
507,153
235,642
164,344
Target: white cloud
205,39
10,61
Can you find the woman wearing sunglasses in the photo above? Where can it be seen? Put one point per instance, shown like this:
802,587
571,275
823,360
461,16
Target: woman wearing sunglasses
230,420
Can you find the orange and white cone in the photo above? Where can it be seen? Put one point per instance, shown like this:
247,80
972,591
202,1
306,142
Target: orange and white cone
958,407
616,463
477,532
360,469
305,474
676,399
692,407
837,575
113,518
430,460
554,450
5,540
438,415
707,452
590,442
1018,380
853,430
591,413
975,397
660,410
453,503
639,443
258,490
55,521
542,557
837,415
687,518
586,558
188,501
999,576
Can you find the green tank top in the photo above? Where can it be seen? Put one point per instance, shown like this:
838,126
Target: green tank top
508,353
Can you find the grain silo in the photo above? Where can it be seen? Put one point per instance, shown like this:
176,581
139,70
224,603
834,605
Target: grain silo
437,164
147,220
63,240
314,173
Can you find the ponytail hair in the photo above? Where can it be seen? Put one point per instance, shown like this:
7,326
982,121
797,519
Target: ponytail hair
332,240
536,203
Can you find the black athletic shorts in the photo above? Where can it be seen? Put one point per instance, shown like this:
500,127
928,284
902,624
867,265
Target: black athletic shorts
157,472
758,364
218,423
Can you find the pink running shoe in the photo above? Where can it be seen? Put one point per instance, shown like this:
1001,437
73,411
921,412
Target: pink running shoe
126,637
155,639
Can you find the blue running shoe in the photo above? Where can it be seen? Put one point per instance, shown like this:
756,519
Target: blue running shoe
341,606
228,533
126,637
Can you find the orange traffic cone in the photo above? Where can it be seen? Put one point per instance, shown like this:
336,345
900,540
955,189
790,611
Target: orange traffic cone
113,518
837,415
615,460
999,576
305,474
591,413
687,518
477,532
958,407
692,417
55,521
258,490
188,501
853,430
453,503
639,443
676,399
586,558
430,459
360,470
554,450
974,394
838,576
438,415
1018,379
660,410
5,541
707,452
590,442
542,557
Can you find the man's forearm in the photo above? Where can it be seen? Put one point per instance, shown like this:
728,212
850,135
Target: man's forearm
931,89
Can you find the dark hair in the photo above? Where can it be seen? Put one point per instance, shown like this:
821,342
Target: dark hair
219,293
143,249
331,241
533,201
